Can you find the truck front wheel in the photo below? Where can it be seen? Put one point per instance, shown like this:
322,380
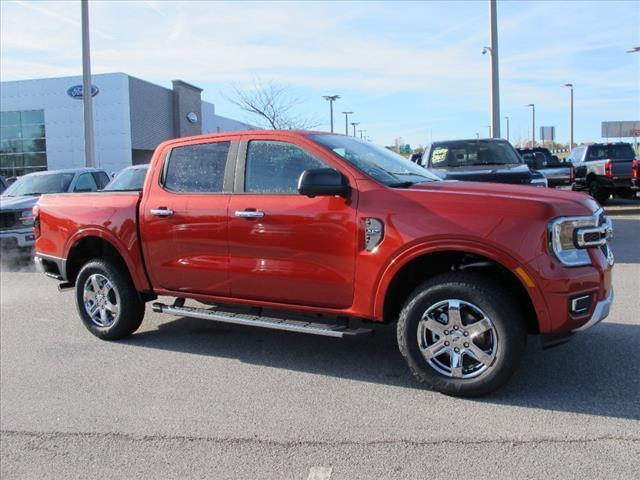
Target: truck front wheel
598,192
107,300
461,334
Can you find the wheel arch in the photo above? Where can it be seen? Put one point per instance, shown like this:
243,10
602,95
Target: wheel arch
402,277
97,244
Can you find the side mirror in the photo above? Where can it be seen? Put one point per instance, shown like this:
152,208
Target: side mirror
323,182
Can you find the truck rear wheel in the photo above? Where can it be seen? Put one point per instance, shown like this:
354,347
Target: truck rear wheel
599,193
461,334
107,300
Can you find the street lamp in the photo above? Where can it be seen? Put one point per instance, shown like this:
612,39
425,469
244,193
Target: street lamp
495,86
570,85
533,124
354,127
346,122
361,132
331,99
507,119
87,103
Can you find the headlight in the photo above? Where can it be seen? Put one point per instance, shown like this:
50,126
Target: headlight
569,237
26,217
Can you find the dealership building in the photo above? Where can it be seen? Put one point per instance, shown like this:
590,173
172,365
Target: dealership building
42,126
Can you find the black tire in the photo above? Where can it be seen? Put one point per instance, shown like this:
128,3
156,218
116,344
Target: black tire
625,193
600,194
121,294
508,334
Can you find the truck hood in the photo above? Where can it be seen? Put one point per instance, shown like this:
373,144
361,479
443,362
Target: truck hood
18,203
514,173
553,202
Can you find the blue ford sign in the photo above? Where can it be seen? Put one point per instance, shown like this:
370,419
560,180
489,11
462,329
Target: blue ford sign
76,91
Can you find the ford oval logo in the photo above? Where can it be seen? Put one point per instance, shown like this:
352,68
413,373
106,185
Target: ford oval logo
76,91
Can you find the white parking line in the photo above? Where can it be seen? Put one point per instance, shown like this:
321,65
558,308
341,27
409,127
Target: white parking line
319,473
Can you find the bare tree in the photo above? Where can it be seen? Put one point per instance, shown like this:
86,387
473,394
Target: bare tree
273,105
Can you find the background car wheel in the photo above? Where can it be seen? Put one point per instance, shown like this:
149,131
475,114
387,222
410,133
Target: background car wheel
107,300
600,194
461,334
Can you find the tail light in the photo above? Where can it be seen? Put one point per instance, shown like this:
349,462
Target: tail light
608,168
635,166
36,221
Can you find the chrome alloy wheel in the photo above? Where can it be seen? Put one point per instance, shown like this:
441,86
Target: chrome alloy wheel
101,300
457,339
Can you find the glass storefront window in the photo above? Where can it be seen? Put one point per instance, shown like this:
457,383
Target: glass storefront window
23,146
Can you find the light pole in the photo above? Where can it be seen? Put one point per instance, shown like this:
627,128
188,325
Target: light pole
533,124
354,127
361,132
489,127
495,82
346,122
89,151
570,85
331,99
507,119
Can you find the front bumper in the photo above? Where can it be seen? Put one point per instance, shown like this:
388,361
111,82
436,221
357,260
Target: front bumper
600,312
20,238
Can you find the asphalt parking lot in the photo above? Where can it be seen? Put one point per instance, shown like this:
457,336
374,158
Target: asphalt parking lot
188,398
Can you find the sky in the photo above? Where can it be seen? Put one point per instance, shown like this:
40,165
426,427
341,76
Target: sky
407,69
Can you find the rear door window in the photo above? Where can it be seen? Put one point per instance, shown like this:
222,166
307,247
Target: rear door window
197,168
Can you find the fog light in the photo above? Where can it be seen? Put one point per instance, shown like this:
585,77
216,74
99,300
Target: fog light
580,304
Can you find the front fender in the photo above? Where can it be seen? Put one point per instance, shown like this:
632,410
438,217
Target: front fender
498,255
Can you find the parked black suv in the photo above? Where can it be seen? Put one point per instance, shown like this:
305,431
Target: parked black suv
480,160
604,169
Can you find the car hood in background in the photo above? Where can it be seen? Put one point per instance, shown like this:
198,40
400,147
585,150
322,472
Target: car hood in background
515,173
18,203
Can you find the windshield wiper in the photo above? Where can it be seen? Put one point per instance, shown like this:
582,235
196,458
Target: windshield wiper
402,184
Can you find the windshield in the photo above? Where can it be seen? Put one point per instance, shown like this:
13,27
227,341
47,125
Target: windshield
128,179
378,163
472,153
605,152
40,183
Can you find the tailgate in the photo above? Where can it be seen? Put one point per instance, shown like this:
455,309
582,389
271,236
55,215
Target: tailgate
621,168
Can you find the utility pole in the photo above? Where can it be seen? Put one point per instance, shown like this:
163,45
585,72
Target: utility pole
533,124
89,150
570,85
331,99
354,127
495,83
346,122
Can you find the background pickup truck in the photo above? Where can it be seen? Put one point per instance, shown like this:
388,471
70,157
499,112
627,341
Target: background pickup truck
327,234
480,160
604,169
557,172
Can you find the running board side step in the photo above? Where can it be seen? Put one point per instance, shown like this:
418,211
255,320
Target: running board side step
274,323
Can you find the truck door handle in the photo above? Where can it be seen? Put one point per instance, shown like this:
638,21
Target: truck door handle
249,213
161,212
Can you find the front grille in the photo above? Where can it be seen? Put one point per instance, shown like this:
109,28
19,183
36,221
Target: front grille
9,219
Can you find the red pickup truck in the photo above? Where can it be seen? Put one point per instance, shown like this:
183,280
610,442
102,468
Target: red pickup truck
327,234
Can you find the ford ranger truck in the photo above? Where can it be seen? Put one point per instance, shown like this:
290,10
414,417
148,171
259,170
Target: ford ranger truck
330,235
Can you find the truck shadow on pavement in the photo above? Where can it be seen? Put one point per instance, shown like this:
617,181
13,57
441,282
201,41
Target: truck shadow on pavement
595,373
